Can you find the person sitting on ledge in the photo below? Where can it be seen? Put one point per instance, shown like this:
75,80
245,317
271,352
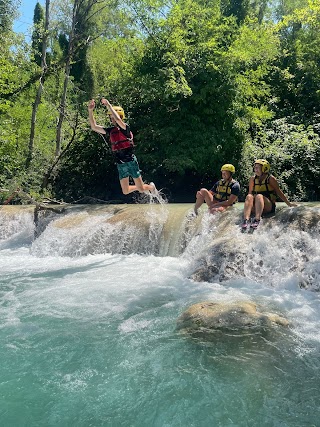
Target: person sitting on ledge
262,195
223,194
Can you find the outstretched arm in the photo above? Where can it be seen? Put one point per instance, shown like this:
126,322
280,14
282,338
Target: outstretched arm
232,199
114,114
92,120
275,185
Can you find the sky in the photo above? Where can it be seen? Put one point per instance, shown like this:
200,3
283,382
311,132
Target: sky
24,22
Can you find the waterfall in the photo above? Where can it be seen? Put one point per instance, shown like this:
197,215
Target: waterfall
285,247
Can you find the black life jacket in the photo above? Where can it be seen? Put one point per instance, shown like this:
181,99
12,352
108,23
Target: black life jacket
223,190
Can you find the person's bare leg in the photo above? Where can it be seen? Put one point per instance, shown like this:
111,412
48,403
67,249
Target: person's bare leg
202,196
248,205
262,205
258,206
126,188
141,186
199,201
219,209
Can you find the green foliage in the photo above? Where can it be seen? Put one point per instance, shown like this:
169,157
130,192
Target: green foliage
296,79
15,67
111,61
251,58
37,34
13,145
293,152
8,12
175,82
202,82
86,170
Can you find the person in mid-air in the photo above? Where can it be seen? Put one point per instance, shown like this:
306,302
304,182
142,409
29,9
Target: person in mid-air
223,194
262,195
121,142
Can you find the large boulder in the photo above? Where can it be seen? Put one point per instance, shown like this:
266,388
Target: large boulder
210,316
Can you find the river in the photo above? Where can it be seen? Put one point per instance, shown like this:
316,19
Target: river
88,313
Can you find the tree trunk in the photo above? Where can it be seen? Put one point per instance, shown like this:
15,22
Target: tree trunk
46,178
62,106
40,87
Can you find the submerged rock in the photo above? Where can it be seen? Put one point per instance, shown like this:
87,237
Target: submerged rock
239,315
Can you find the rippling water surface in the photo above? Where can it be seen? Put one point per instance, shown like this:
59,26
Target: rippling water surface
90,340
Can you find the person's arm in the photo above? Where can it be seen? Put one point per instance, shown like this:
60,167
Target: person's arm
235,190
92,120
114,114
232,199
251,185
274,183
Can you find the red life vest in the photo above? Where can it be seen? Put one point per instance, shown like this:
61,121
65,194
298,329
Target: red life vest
119,141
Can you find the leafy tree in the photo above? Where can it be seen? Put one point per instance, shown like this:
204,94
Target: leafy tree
297,76
177,77
37,34
87,170
42,43
250,62
293,152
8,12
202,82
207,78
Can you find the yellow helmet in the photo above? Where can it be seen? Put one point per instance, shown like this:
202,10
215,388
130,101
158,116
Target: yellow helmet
265,165
228,167
119,110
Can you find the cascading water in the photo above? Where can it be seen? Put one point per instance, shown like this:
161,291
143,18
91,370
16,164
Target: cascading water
90,300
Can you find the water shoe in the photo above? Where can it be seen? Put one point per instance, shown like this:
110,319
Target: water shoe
245,225
255,224
154,192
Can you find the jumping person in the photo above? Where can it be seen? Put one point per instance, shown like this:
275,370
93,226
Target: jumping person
262,195
121,141
223,194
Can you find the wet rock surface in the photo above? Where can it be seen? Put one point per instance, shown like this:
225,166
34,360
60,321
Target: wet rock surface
238,315
283,245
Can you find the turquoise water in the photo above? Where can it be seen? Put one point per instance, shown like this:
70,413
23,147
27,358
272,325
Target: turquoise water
92,341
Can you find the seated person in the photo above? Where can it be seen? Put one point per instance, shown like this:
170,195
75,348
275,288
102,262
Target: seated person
262,194
223,194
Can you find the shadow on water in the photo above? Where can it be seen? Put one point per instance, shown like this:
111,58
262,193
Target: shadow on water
60,273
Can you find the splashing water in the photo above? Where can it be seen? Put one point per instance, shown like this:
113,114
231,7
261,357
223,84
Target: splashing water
89,308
